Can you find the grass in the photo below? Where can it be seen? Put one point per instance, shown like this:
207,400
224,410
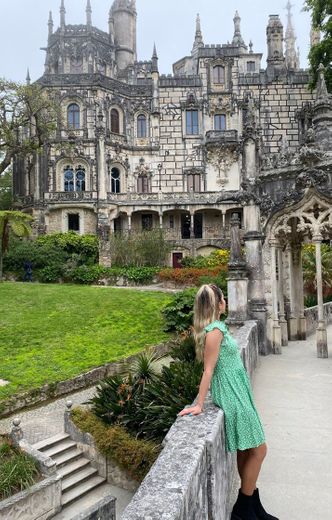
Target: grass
50,333
18,470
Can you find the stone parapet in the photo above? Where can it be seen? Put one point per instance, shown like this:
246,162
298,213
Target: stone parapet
311,316
192,477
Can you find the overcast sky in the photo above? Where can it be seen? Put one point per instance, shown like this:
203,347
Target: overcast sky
170,23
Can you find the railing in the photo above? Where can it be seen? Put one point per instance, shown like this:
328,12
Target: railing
166,198
70,196
206,233
221,136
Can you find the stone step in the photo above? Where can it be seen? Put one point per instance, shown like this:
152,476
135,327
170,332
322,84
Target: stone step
71,481
72,467
68,456
77,507
60,447
47,443
81,489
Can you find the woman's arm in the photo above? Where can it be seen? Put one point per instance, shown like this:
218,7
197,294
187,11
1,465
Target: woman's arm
213,342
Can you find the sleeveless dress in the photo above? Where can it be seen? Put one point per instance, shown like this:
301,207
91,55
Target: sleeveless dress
231,391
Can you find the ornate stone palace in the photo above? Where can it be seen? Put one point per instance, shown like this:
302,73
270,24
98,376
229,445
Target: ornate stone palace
184,152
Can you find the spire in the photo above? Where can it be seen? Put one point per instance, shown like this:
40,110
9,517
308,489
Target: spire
28,79
237,38
291,55
62,14
88,14
154,60
198,43
50,24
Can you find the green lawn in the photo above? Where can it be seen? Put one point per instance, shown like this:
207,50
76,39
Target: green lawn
49,333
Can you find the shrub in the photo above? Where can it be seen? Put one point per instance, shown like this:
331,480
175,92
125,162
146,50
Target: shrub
188,275
178,314
214,259
220,280
139,248
135,456
17,469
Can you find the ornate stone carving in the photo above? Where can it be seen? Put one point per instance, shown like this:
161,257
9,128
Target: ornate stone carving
143,169
312,178
222,158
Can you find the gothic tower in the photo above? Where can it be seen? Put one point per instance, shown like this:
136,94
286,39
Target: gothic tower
123,22
275,51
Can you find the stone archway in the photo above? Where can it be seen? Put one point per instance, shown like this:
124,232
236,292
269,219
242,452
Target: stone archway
310,220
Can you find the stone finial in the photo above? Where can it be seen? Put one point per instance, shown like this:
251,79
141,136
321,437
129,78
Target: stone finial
62,14
88,14
237,38
250,47
236,255
292,61
198,42
28,79
154,60
322,92
50,24
69,405
16,433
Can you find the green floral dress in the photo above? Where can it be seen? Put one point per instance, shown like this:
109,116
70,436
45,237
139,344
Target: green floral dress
231,391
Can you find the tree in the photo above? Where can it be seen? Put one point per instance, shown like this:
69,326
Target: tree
28,117
6,182
321,15
18,223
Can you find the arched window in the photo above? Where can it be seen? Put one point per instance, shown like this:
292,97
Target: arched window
69,178
115,121
141,126
74,180
220,122
143,184
115,180
73,116
80,179
218,74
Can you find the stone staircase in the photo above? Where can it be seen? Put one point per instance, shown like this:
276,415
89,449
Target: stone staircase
79,477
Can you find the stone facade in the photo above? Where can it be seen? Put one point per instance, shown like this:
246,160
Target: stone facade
137,149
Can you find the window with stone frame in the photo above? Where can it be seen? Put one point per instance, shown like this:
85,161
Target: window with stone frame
74,178
147,222
251,66
73,222
143,184
115,121
219,74
141,126
73,116
219,122
194,182
192,126
115,180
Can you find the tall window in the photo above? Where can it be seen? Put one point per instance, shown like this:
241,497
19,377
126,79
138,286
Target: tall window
74,180
115,121
194,182
141,126
218,74
143,184
115,180
251,66
73,116
192,122
220,122
73,222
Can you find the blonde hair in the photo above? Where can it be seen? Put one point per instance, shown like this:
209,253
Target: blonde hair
206,310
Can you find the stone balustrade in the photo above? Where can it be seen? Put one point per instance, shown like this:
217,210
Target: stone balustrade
311,316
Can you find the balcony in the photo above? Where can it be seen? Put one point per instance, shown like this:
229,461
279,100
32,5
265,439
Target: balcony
71,196
171,199
221,138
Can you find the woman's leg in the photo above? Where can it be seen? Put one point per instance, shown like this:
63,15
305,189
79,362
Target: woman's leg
242,456
251,468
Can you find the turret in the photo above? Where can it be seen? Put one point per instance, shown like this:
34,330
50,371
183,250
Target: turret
292,57
154,60
155,80
123,13
28,79
322,117
50,25
198,42
275,52
237,38
62,15
88,15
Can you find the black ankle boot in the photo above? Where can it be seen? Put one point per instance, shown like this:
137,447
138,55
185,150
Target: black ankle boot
243,508
261,514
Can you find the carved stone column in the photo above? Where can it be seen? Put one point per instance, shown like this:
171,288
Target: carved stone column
276,329
256,285
298,292
101,156
237,278
321,334
282,319
293,318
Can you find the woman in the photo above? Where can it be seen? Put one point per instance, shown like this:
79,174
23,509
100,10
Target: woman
231,391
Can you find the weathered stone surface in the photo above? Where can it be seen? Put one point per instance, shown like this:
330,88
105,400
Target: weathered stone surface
311,316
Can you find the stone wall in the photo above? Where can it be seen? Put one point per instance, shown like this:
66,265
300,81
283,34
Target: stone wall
311,316
191,478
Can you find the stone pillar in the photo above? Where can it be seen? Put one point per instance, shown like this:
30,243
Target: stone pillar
276,330
192,227
256,285
293,318
298,292
101,157
321,334
160,220
282,319
237,278
223,220
129,222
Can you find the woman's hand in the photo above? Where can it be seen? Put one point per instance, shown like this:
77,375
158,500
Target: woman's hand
193,410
